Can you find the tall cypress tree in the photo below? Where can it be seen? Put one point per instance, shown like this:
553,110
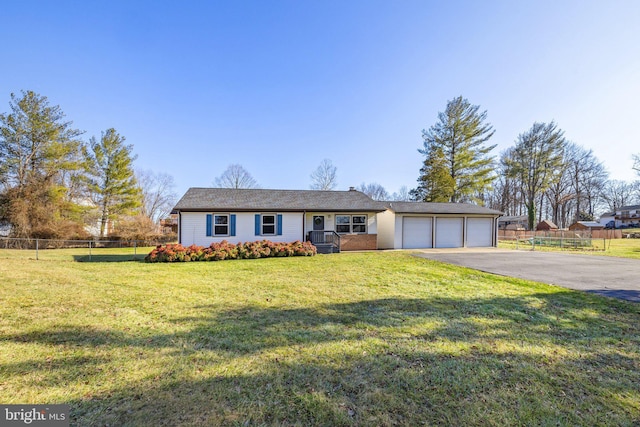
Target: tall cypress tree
111,179
457,142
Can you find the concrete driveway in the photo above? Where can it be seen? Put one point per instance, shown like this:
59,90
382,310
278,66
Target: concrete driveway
608,276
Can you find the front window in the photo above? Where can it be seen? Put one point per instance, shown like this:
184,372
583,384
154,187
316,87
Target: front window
359,223
221,225
351,223
268,224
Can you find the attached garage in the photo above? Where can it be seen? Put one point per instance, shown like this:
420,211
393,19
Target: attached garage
479,232
449,232
418,225
416,232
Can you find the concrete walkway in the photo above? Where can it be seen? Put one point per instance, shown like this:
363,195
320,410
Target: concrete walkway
608,276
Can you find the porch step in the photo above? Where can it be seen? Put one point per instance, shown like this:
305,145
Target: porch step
326,248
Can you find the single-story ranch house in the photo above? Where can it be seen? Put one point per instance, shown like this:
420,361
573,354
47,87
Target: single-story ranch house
331,220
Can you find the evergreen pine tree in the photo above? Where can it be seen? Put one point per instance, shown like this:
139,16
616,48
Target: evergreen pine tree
111,179
458,142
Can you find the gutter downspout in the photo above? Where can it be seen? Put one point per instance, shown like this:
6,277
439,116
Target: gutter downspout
304,220
179,227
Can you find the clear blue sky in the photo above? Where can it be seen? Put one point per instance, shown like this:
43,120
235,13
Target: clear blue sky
277,86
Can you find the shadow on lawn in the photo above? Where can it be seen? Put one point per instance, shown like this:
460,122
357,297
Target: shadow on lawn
624,294
249,329
403,378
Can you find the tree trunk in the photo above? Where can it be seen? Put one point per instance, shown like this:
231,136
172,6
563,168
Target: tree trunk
104,218
531,214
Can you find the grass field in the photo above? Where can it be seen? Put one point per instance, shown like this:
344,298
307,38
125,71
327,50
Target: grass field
380,338
624,248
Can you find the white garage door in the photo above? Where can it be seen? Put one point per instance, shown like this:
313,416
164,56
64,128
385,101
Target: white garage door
416,232
479,232
449,232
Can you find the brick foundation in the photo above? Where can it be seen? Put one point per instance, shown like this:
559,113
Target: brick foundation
358,242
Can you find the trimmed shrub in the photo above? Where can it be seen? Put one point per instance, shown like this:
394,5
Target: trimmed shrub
225,250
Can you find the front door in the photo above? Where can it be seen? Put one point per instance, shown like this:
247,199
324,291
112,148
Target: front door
318,222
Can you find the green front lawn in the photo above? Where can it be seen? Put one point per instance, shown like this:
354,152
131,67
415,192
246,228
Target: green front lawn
380,338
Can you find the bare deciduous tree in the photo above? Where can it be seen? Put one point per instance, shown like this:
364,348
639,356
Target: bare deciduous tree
537,153
325,176
158,196
374,190
617,194
235,176
590,177
575,186
402,195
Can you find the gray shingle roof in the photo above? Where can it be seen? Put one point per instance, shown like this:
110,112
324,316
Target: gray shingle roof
590,223
629,208
513,218
440,208
228,199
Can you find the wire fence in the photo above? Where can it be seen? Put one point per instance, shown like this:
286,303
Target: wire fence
575,243
565,234
78,250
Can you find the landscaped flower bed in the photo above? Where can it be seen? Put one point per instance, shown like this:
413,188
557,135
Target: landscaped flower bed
225,250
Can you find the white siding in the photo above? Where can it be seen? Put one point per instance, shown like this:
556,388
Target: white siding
397,234
193,228
386,225
330,220
372,223
604,220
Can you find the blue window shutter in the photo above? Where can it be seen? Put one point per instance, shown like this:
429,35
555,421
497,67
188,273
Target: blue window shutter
209,222
257,224
232,226
279,229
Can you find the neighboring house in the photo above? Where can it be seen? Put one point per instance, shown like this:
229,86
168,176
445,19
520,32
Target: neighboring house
546,225
5,229
586,226
169,225
331,220
627,216
518,222
606,218
414,225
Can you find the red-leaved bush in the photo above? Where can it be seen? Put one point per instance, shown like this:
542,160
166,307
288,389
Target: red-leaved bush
225,250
